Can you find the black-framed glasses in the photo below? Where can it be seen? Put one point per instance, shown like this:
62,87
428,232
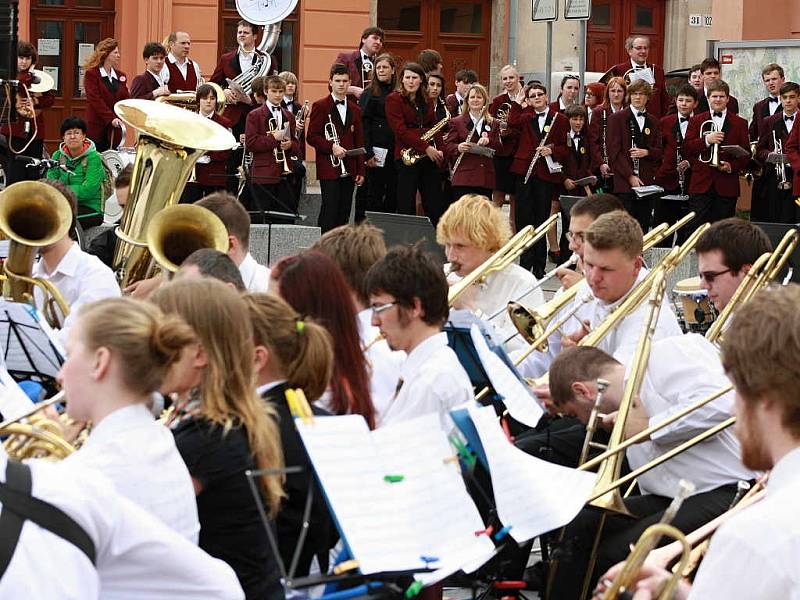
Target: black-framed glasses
378,309
710,276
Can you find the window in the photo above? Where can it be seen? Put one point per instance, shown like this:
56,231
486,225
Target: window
457,17
399,15
601,15
284,57
644,17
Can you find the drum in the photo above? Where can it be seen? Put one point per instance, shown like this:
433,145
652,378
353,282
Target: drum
694,309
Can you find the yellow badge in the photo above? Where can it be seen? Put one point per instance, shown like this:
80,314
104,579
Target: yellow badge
546,128
647,131
583,150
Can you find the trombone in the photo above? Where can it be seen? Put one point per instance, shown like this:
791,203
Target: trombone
712,160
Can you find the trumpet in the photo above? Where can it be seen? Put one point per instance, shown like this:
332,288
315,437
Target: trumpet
300,122
780,166
712,159
502,114
333,136
367,69
280,153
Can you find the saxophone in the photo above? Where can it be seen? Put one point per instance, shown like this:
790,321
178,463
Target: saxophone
409,155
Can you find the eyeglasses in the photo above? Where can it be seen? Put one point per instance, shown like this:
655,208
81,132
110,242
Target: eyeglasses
710,276
575,236
377,309
536,95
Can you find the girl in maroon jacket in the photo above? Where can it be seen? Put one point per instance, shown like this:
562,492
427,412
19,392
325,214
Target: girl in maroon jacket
104,87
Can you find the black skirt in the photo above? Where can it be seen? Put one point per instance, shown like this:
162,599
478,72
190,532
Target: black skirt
505,180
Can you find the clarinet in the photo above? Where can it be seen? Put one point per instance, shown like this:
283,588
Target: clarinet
635,161
605,146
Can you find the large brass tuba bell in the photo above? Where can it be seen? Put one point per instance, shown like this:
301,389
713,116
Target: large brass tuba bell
177,231
170,142
32,215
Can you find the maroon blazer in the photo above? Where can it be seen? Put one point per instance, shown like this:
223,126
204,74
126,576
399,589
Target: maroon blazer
451,102
510,136
265,170
792,150
143,86
598,132
667,174
579,159
100,102
228,67
620,125
706,178
522,119
760,114
766,144
474,170
214,174
660,101
409,124
351,135
352,60
177,82
41,101
555,106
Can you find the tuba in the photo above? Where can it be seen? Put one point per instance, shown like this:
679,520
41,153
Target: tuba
32,215
177,231
170,142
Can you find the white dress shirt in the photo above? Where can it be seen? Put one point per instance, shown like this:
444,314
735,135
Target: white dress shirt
640,117
384,364
620,342
137,556
255,275
754,555
342,108
433,381
182,67
111,75
80,277
789,123
139,456
275,113
246,59
681,371
774,105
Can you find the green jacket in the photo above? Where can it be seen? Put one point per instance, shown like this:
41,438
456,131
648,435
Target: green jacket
87,179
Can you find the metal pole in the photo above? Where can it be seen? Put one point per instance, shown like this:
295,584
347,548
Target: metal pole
549,58
512,32
581,58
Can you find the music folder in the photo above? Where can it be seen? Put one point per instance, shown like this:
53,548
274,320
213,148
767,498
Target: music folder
647,190
735,150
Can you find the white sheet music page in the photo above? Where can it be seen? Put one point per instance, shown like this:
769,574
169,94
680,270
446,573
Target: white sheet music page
390,526
13,401
518,400
532,496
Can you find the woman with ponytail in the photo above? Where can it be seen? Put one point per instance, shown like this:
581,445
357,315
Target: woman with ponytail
292,352
223,429
118,352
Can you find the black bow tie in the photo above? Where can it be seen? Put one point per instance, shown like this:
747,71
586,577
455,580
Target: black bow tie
788,117
773,99
641,114
276,108
541,114
460,102
718,114
683,119
339,102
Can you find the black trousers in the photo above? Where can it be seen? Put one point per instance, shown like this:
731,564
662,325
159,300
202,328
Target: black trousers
671,211
425,177
337,200
381,185
640,209
532,207
557,440
271,197
460,190
780,204
710,208
759,203
619,532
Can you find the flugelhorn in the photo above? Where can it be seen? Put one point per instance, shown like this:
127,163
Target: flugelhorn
712,160
332,135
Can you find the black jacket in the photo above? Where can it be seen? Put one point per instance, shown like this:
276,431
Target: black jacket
373,116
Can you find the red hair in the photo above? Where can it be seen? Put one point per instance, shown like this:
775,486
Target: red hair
314,286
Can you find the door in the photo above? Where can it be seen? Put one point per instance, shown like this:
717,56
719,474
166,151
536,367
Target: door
64,33
613,21
460,30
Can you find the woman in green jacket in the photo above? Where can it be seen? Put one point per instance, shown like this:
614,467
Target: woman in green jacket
81,169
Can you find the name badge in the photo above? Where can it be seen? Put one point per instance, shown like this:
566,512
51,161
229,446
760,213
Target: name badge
546,128
583,150
647,131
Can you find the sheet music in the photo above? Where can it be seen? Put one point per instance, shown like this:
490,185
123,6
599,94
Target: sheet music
13,401
380,155
645,74
553,165
520,403
390,526
27,342
532,496
647,190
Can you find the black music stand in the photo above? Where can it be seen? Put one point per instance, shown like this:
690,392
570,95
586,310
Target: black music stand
407,229
775,232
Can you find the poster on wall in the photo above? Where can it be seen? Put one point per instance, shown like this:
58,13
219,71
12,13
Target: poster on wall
84,52
53,72
48,46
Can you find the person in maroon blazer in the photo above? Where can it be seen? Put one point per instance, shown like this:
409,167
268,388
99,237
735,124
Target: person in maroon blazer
355,61
629,126
543,131
464,79
776,203
713,191
614,101
149,85
337,181
19,133
210,172
104,87
410,114
674,173
505,181
475,172
269,189
712,71
568,94
792,152
638,47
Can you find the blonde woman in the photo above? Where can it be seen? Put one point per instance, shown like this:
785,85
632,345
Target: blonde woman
223,429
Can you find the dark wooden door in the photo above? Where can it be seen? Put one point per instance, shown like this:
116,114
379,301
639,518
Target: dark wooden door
65,32
613,21
460,30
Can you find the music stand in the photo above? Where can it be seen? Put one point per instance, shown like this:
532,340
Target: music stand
775,232
407,229
30,348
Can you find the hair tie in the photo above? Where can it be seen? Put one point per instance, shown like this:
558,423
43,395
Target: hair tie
300,325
